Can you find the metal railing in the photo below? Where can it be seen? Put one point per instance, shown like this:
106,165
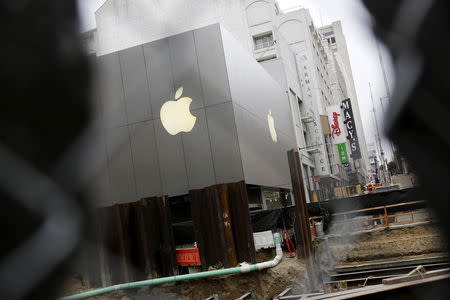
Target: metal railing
375,217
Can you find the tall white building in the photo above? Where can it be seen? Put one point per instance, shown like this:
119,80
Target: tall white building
334,36
314,74
290,48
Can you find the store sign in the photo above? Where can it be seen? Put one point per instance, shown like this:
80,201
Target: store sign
335,118
342,150
349,122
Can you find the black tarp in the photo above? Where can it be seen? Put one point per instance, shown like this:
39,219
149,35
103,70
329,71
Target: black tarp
283,218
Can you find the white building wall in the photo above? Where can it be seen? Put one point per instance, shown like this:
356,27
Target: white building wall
295,28
262,19
125,23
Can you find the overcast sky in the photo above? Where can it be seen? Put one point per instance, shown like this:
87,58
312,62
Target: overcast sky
360,42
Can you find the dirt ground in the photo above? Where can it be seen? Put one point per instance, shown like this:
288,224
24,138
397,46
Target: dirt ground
265,284
389,243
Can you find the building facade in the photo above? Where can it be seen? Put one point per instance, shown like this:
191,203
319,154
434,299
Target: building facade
313,73
334,37
155,145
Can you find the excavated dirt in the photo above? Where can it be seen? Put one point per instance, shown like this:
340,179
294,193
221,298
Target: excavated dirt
265,284
388,243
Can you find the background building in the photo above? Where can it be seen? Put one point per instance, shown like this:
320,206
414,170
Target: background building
334,36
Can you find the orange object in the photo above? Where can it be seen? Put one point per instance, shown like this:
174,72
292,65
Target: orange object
289,244
188,257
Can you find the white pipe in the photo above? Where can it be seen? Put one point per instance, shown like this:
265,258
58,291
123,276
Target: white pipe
244,268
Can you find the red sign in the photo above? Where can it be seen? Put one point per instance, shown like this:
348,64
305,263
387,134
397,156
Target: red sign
335,126
188,256
316,179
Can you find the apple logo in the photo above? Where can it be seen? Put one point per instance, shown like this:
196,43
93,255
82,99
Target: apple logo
176,116
271,123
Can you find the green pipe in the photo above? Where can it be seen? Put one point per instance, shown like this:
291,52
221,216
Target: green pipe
244,268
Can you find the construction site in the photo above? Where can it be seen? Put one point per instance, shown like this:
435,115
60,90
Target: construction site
216,150
390,236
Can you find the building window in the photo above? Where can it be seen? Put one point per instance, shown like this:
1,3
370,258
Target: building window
333,40
263,41
328,33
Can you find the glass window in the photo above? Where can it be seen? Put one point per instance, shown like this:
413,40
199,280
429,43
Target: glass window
263,41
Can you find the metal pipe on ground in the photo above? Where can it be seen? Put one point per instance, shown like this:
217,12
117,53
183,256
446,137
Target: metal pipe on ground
244,268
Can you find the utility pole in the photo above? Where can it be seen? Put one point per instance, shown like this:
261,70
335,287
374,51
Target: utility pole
377,150
388,93
386,84
383,162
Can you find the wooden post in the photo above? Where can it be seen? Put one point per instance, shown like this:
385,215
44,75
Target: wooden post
208,226
103,222
303,234
222,226
140,249
386,221
227,224
301,212
161,245
120,258
241,222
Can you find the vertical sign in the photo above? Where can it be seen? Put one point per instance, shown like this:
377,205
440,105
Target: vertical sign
349,122
335,118
342,150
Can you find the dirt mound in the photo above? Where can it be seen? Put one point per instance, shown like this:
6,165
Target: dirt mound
417,240
265,284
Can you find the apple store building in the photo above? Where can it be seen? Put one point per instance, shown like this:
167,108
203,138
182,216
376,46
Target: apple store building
182,119
187,112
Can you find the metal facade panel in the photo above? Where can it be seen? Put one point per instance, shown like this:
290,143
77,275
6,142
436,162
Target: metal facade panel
224,143
171,161
197,151
222,147
135,85
264,161
121,173
145,159
96,158
211,61
185,67
258,151
111,91
253,88
159,74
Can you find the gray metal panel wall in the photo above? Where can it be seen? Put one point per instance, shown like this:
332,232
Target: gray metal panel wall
185,67
197,152
96,159
171,161
111,91
145,159
150,161
159,74
121,174
264,162
253,88
254,93
224,143
211,61
135,85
